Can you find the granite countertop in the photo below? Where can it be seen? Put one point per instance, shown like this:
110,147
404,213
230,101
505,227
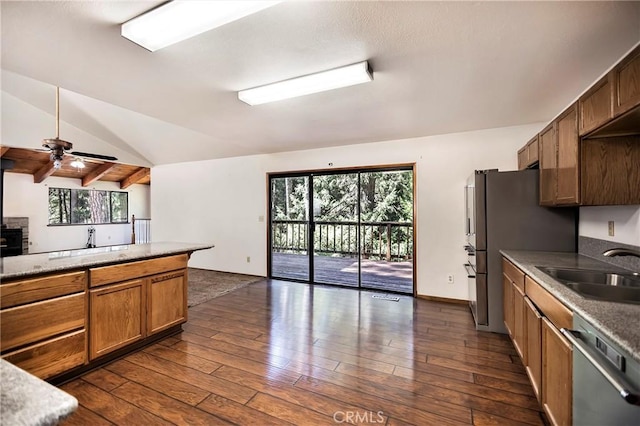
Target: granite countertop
617,321
27,400
35,264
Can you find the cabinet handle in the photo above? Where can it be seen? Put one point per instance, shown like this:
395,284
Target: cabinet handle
166,277
627,392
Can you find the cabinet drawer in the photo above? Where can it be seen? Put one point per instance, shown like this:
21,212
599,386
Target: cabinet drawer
51,357
30,323
513,273
32,290
559,314
135,270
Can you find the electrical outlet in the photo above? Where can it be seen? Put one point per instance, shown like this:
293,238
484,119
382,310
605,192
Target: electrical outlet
248,259
611,228
450,279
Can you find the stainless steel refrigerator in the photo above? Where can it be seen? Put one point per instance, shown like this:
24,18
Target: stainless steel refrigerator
502,213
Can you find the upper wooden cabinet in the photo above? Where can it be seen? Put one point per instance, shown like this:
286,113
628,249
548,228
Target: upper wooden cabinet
560,161
528,154
626,77
568,189
590,154
595,107
548,165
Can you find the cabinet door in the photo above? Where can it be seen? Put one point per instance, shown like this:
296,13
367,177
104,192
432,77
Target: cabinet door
166,301
533,150
595,107
519,331
533,324
117,317
557,375
507,304
548,166
568,190
627,83
523,158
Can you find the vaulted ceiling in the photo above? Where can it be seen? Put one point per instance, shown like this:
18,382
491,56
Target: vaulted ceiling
439,67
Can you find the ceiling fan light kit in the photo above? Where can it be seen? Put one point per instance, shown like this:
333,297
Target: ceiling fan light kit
336,78
78,163
175,21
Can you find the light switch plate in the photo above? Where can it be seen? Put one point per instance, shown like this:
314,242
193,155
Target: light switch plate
611,229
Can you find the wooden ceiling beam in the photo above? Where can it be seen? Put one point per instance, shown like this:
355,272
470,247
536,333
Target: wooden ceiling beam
3,150
135,177
97,173
44,172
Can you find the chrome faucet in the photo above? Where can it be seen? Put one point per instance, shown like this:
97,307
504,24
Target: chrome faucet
621,252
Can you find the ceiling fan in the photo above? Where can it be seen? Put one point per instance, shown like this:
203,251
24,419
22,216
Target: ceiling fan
59,147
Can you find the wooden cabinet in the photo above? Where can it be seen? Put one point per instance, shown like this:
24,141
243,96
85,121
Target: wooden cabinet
43,323
507,304
166,301
626,77
528,155
152,298
568,165
117,317
548,165
535,316
595,107
513,304
557,375
533,345
559,161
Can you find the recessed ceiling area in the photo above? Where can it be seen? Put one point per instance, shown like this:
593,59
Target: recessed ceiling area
439,67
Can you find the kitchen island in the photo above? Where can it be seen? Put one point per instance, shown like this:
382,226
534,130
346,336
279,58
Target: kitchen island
65,312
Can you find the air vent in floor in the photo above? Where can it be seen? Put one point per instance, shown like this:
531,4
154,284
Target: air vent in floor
386,297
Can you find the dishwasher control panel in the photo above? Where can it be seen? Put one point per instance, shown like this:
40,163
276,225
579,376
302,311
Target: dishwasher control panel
611,354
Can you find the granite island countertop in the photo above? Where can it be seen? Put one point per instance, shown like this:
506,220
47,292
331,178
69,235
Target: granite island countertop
27,400
58,261
620,322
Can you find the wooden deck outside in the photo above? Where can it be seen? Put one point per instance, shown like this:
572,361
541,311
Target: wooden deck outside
376,274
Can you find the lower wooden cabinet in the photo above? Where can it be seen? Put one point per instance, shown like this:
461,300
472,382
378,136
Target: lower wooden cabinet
533,317
507,304
117,316
51,357
533,345
166,301
519,330
557,375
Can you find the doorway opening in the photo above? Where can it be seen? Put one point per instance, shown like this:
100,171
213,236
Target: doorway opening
352,228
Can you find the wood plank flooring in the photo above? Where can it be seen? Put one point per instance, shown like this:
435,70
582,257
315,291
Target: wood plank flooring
276,352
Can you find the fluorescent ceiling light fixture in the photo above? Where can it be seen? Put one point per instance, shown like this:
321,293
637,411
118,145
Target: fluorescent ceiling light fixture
336,78
179,20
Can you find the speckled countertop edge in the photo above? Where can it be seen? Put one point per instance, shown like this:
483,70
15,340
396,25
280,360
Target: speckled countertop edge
620,322
42,263
27,400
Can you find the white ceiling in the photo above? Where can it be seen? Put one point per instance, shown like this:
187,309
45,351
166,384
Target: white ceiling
439,67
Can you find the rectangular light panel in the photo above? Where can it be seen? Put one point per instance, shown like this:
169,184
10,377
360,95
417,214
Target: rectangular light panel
179,20
349,75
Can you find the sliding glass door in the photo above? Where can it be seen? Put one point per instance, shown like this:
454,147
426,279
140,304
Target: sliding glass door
355,230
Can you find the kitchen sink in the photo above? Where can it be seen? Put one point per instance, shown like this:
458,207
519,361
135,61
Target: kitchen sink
612,286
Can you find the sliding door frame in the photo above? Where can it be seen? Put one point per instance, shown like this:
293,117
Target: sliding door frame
339,170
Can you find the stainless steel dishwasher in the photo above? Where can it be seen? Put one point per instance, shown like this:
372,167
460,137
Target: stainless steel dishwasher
605,379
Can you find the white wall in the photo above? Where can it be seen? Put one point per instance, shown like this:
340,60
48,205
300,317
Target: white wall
594,223
221,201
23,198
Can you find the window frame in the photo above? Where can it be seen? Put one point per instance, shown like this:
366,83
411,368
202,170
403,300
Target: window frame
73,195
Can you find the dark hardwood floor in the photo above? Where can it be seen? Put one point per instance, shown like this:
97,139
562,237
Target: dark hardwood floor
287,353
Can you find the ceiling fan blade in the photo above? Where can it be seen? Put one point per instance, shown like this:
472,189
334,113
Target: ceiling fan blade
97,156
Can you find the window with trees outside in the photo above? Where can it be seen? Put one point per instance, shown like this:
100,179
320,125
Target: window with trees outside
87,206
